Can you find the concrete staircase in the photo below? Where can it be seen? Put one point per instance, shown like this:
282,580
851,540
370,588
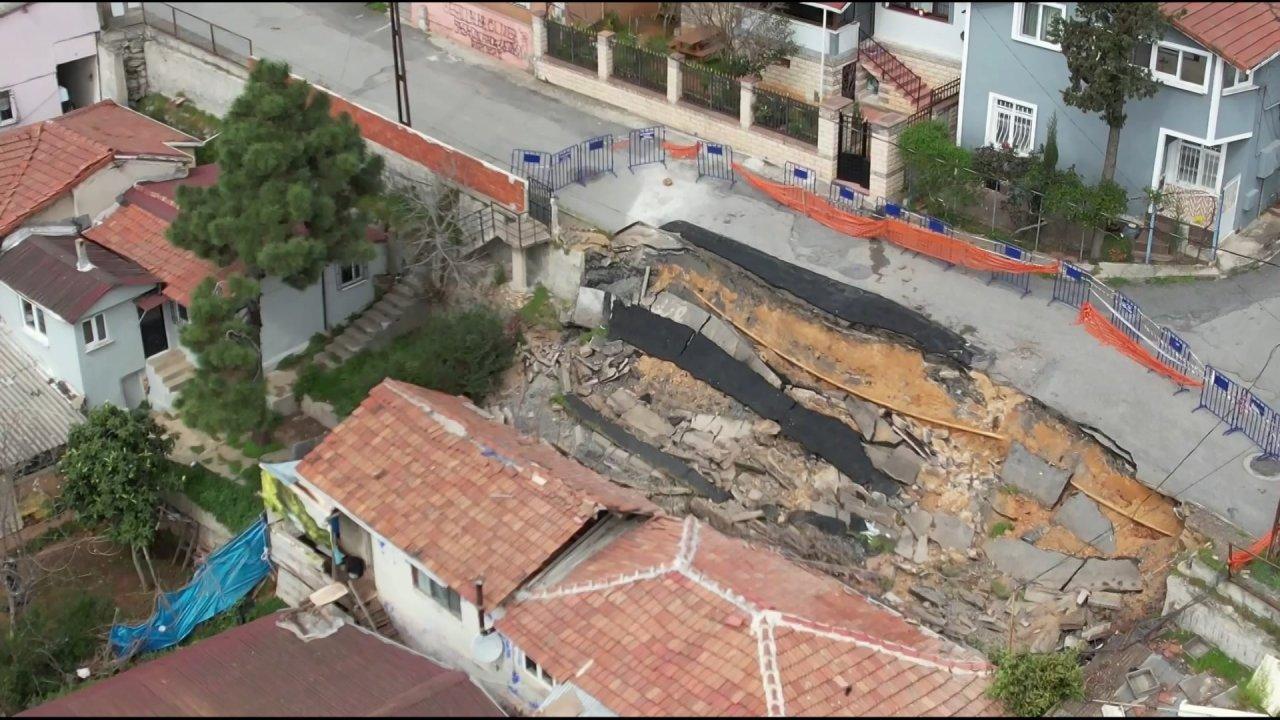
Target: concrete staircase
374,322
167,373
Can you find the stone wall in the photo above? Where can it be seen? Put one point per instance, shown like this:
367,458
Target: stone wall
806,77
174,67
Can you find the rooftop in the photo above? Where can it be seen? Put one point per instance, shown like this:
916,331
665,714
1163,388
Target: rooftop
1246,34
261,669
467,496
43,268
27,394
675,618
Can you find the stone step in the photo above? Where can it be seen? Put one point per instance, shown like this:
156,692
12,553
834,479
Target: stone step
168,359
354,339
175,385
372,322
402,289
325,360
399,301
176,374
339,353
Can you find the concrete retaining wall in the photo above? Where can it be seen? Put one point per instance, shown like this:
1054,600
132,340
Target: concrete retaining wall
174,67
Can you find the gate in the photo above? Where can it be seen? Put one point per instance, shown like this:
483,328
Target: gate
595,157
853,162
1021,281
716,161
1126,316
801,177
540,202
647,145
1071,285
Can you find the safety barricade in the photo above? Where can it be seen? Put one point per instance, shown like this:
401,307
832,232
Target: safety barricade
892,210
1174,352
1271,448
531,164
847,199
646,146
1126,315
1220,395
801,177
1253,417
595,158
1070,286
716,161
565,168
1020,281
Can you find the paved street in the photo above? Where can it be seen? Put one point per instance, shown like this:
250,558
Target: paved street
489,110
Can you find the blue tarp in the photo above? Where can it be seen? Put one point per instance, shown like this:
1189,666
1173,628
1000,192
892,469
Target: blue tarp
226,576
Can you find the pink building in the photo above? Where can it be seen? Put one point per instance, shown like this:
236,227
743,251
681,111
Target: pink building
49,59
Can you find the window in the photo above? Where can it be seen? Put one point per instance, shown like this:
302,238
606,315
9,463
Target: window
1175,65
443,595
1235,79
1193,165
1032,21
1011,124
349,275
33,318
934,10
178,313
8,111
533,668
94,331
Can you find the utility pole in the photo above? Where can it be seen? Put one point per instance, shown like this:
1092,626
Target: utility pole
397,55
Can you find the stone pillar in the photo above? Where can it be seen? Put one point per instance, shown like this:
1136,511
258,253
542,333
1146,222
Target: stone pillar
747,100
538,34
604,54
519,269
887,170
829,132
673,77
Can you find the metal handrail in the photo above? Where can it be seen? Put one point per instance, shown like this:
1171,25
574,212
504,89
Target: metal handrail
894,69
149,10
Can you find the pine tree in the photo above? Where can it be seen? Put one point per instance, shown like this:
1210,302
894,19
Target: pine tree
288,202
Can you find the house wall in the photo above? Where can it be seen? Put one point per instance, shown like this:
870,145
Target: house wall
35,38
104,368
482,28
289,318
62,210
57,353
926,35
100,191
1032,74
343,304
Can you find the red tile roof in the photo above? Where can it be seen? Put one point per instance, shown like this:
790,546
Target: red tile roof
260,669
44,270
468,497
675,618
38,163
1244,33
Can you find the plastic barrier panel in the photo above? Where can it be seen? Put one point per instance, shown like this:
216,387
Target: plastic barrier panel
595,157
682,152
716,161
801,177
1071,285
1126,316
1108,334
1021,281
646,146
1220,395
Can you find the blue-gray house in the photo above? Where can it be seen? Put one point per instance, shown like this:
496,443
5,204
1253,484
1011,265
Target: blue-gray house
1211,134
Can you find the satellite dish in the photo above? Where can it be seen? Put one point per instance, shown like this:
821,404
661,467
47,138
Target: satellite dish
486,648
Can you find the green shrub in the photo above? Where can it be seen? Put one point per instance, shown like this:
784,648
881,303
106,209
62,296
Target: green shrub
999,529
461,353
938,172
49,641
233,504
539,311
1032,684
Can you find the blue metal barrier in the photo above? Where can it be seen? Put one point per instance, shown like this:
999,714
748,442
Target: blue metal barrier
892,210
565,168
716,161
843,197
936,225
1175,354
1071,286
1253,417
646,146
1221,396
1021,281
1271,448
1126,316
801,177
595,157
531,164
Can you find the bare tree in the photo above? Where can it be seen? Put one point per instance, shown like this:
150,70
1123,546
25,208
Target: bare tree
753,37
438,231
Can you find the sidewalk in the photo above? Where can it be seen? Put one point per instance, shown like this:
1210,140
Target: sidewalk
1025,342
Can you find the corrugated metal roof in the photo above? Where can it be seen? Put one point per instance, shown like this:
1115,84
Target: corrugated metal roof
44,269
1244,33
34,417
260,669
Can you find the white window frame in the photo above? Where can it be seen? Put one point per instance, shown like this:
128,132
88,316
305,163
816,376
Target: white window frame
442,594
537,672
1019,12
178,313
361,268
97,330
13,108
992,117
1239,85
1174,80
1173,165
38,326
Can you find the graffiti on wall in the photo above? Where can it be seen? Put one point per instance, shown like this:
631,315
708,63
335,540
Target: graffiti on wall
496,35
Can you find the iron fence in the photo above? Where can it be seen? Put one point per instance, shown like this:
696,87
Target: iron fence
198,31
639,66
709,89
788,116
574,46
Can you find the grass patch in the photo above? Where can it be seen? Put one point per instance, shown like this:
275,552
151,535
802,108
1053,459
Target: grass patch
592,334
1218,663
1008,489
461,353
877,544
1117,282
377,7
1000,590
539,311
1172,280
999,529
1265,573
48,641
233,504
186,117
1032,684
1206,556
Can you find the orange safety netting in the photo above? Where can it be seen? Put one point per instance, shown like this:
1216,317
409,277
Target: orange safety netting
1243,556
1102,329
904,235
682,152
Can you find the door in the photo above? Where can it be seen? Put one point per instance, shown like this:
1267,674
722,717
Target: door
852,161
154,338
1230,200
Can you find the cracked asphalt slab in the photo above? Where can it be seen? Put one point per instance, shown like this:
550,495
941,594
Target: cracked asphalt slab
488,109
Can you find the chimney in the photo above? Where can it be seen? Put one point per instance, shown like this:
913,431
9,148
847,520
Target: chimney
82,256
480,603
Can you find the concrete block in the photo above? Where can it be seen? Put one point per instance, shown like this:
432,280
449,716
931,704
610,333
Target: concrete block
588,311
1119,575
864,415
647,423
951,532
900,463
1028,563
1082,517
1034,476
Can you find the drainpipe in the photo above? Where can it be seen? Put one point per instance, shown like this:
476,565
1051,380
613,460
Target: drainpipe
1151,233
480,604
822,67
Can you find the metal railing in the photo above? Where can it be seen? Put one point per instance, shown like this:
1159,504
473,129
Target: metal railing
941,95
199,32
786,115
639,66
704,87
574,46
893,69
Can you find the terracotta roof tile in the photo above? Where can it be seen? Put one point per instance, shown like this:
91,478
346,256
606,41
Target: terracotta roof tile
125,131
1244,33
44,270
38,163
483,501
675,618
